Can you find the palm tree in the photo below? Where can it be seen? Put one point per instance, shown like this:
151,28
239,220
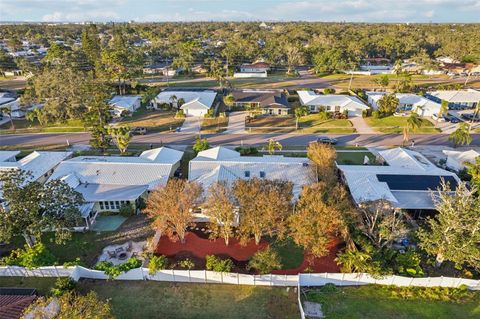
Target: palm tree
8,111
229,100
413,122
388,104
443,109
354,261
299,112
273,145
461,136
173,99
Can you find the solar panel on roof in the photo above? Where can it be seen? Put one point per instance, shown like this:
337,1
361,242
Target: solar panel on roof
416,182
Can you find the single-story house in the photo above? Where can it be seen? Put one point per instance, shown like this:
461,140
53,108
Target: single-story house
456,160
221,164
108,182
407,103
14,301
160,68
467,98
40,164
197,102
121,104
257,67
332,103
408,180
271,102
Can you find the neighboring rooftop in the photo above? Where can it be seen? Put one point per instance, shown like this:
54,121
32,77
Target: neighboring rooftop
14,301
407,182
266,98
204,97
222,164
405,98
124,101
8,156
457,96
346,101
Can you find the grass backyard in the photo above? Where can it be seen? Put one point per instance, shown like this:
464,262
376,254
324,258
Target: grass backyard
151,299
311,123
377,302
395,124
353,158
214,125
154,121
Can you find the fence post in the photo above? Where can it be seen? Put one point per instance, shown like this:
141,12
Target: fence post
56,270
25,274
271,278
143,275
173,274
221,276
205,273
41,272
411,281
238,278
441,281
254,282
285,282
189,277
10,271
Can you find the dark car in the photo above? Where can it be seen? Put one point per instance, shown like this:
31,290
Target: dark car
450,118
327,140
469,117
139,130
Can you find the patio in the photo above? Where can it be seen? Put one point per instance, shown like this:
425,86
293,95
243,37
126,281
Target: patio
108,223
118,254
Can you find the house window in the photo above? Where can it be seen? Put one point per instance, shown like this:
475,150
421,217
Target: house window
107,207
262,174
312,108
270,111
117,205
329,108
101,205
247,174
279,112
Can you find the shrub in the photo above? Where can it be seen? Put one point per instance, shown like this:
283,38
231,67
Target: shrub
113,271
210,114
345,114
201,144
63,285
187,263
157,263
323,115
126,210
72,263
247,150
376,114
459,294
180,114
29,257
329,91
365,113
408,264
219,265
265,261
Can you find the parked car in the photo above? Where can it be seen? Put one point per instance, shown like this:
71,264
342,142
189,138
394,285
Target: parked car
469,117
435,117
327,140
450,118
139,130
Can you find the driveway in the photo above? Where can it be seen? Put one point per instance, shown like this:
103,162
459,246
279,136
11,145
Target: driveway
236,123
361,126
191,125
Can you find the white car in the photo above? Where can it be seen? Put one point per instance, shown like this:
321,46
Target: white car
435,117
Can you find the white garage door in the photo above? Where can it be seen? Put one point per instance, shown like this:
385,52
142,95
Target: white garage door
356,112
195,112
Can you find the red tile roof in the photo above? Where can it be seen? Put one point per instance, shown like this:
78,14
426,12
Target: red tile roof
12,306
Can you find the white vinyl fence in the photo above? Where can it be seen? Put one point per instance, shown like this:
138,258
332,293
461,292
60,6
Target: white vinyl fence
211,277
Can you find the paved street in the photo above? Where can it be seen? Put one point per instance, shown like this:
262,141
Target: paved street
234,139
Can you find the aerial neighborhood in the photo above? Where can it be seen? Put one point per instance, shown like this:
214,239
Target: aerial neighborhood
238,169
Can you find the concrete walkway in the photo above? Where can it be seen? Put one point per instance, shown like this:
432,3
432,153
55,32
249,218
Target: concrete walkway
236,123
191,125
361,126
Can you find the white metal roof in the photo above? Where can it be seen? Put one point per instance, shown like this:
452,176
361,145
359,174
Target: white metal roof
462,157
222,164
106,192
151,168
407,98
364,185
346,101
201,99
124,101
458,96
7,156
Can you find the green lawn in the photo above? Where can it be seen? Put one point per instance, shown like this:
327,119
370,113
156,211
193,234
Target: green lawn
395,124
151,299
24,126
353,158
291,255
377,302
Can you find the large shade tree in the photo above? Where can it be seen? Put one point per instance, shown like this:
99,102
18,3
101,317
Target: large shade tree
34,207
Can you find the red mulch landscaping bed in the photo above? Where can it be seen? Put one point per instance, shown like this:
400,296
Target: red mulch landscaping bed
196,248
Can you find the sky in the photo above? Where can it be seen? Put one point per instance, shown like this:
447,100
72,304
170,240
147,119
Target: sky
459,11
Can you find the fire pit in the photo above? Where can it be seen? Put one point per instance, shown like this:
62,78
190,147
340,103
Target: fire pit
122,256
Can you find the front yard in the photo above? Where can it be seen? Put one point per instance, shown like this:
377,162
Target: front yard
154,121
312,123
25,126
150,299
214,125
354,157
395,124
382,302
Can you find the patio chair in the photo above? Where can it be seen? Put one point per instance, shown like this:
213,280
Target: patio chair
111,254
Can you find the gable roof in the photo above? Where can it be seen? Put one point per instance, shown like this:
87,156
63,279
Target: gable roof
406,98
203,99
462,157
266,98
151,169
124,101
345,101
223,164
6,156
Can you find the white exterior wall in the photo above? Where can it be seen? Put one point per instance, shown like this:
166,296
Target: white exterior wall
250,75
